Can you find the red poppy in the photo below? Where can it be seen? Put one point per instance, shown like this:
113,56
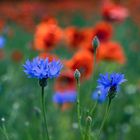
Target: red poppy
75,37
103,31
65,87
111,51
16,56
2,54
47,35
2,23
45,55
83,61
65,81
114,12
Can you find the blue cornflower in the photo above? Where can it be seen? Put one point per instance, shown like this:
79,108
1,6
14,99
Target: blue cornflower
54,69
99,95
42,68
110,83
68,96
2,41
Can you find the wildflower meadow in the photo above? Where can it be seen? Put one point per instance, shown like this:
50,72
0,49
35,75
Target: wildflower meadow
69,70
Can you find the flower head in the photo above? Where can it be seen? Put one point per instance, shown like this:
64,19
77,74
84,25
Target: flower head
79,61
76,37
114,12
103,30
42,68
68,96
54,69
111,51
47,35
109,84
99,95
2,41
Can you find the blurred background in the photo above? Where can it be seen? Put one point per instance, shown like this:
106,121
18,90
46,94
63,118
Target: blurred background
64,29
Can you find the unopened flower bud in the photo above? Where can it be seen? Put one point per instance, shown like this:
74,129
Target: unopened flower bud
89,119
77,74
95,43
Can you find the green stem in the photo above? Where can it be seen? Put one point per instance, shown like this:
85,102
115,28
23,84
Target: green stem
92,78
78,108
93,108
88,129
105,117
44,113
4,131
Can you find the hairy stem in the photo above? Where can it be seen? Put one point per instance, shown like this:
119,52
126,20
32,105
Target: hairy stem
105,117
44,113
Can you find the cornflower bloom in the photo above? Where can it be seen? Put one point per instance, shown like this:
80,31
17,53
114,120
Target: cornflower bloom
2,42
109,84
63,97
99,95
42,69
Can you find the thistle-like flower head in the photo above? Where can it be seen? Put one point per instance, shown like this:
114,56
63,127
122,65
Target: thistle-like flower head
110,83
42,68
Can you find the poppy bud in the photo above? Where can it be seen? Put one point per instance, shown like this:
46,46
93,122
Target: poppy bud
77,74
95,43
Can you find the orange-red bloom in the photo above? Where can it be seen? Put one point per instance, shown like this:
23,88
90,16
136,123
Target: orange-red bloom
45,55
83,61
114,12
111,51
65,81
103,31
2,23
65,85
16,56
75,37
47,35
2,54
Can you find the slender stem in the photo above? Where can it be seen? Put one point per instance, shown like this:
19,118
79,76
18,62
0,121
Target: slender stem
44,113
78,108
88,126
88,129
92,78
105,117
93,108
4,131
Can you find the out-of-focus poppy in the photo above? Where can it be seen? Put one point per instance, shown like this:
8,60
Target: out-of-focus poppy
65,90
65,81
1,54
2,23
75,37
103,31
83,61
47,35
50,56
114,12
111,51
17,56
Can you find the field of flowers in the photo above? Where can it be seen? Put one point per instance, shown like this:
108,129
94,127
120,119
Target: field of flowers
70,70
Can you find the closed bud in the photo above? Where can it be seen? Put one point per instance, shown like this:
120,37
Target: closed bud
77,74
95,43
89,119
